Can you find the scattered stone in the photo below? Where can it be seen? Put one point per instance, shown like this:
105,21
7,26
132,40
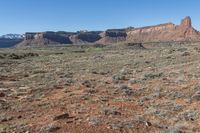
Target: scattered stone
147,123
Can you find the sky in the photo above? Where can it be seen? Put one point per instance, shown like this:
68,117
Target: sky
20,16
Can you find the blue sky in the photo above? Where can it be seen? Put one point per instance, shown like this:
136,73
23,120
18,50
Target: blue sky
19,16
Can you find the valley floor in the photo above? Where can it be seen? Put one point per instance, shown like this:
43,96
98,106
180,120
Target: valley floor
112,89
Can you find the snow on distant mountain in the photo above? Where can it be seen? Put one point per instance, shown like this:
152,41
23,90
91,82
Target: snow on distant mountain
12,36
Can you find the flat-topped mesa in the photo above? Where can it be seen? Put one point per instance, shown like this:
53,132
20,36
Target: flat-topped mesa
186,22
167,32
157,27
45,38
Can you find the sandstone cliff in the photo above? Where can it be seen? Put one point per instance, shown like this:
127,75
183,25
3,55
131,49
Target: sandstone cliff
113,36
159,33
46,38
165,32
85,37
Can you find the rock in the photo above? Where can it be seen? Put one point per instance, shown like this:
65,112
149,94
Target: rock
60,117
186,22
147,123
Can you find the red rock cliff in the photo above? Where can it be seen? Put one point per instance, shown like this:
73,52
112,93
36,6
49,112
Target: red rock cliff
165,32
158,33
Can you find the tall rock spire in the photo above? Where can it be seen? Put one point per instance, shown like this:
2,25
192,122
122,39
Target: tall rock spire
186,22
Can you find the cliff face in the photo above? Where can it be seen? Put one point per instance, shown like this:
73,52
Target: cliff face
85,37
113,36
53,38
158,33
165,32
45,38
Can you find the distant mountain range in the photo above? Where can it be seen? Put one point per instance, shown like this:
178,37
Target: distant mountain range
10,40
12,36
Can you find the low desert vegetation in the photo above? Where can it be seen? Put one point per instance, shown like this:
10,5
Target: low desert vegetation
114,88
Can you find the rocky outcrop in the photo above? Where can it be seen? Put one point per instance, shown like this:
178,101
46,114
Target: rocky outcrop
186,22
46,38
113,36
167,32
54,38
85,37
